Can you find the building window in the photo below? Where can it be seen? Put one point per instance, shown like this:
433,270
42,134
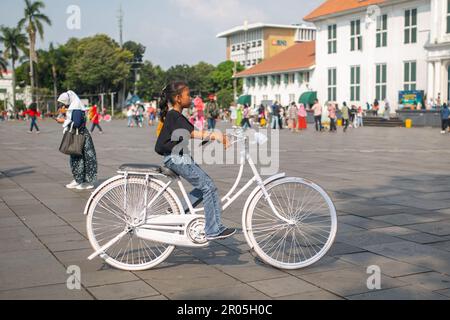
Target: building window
382,31
411,26
332,39
307,76
254,62
253,44
265,81
238,47
259,43
300,78
355,35
331,84
410,75
291,98
381,82
355,83
233,48
448,16
291,78
286,79
249,63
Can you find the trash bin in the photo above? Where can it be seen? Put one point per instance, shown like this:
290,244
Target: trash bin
408,123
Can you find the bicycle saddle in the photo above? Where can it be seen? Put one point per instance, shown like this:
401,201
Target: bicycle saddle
148,168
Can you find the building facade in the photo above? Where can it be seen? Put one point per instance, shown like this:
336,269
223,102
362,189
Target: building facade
282,78
6,91
251,44
367,50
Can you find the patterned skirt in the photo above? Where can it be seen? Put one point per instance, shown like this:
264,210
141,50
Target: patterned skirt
84,168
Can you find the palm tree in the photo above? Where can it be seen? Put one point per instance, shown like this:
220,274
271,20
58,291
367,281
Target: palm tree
13,41
32,20
3,64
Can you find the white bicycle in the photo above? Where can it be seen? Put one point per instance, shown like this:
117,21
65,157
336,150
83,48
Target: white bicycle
135,220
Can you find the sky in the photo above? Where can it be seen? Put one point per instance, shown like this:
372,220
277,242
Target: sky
173,31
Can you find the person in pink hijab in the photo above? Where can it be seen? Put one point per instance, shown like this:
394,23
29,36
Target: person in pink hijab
302,116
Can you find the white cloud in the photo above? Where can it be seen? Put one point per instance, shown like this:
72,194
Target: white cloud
220,12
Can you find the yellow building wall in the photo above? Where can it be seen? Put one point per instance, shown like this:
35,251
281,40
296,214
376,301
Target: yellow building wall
274,34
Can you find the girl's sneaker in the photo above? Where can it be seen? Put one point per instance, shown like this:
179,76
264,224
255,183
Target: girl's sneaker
225,234
72,185
85,186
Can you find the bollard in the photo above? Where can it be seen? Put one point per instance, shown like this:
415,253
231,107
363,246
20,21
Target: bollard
408,123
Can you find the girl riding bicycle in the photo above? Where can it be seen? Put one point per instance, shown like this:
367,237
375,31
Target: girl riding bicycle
176,128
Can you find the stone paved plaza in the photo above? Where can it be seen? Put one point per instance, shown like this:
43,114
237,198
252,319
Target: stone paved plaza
391,188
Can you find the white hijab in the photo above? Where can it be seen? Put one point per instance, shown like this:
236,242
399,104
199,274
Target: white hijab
71,99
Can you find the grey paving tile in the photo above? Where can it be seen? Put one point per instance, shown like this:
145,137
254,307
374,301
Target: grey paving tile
235,292
390,267
50,292
347,282
403,293
421,237
30,269
123,291
404,219
431,280
283,286
436,228
315,295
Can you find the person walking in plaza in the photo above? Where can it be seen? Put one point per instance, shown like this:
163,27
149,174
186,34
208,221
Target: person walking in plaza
95,119
376,107
302,117
317,109
275,116
445,115
233,114
33,113
293,117
345,116
130,116
282,117
353,112
387,111
246,118
332,116
262,116
84,167
211,112
177,94
359,117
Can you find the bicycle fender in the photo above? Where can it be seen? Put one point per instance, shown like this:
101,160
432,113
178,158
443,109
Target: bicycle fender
249,200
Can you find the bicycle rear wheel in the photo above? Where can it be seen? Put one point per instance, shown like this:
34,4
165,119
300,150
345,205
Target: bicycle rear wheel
308,236
109,215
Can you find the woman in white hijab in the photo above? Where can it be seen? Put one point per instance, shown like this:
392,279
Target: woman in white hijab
84,168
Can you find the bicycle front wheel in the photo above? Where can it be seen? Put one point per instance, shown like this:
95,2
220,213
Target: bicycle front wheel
308,235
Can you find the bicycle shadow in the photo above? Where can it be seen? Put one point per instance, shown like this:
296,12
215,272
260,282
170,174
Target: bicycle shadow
11,173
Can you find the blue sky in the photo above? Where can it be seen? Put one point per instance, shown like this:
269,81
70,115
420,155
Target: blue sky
174,31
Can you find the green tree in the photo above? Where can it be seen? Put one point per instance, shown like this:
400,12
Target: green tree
138,51
98,64
152,81
200,80
33,22
14,41
223,82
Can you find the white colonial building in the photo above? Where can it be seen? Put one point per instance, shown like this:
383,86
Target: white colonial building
6,91
373,49
283,78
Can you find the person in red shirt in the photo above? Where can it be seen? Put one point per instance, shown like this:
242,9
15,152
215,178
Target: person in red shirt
95,118
33,113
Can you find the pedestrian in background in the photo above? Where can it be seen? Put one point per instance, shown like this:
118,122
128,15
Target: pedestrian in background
345,116
317,108
332,116
445,114
95,119
33,113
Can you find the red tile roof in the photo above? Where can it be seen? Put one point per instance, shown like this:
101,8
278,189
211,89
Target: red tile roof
338,6
299,56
